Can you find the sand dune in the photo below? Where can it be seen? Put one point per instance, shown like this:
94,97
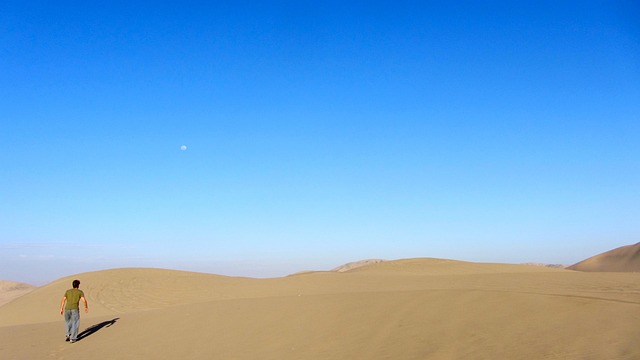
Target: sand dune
406,309
10,290
622,259
356,264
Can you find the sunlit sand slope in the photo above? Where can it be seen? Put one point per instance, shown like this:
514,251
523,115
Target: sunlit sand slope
112,292
408,309
622,259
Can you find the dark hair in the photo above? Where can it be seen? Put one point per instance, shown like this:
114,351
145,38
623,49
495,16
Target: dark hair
76,283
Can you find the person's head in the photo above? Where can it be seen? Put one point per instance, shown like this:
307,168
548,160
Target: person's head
76,284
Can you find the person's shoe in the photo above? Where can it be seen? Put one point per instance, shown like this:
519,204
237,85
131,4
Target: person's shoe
72,341
66,338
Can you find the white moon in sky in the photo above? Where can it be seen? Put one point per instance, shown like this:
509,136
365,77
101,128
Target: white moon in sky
183,147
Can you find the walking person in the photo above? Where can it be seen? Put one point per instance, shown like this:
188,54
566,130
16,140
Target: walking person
69,307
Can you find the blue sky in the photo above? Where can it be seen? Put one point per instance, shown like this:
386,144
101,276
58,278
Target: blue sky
317,133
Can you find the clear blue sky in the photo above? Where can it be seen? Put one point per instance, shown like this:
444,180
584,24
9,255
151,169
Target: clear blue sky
317,133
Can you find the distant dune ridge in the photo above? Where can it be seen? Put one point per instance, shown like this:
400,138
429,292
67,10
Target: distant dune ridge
402,309
622,259
555,266
356,264
10,290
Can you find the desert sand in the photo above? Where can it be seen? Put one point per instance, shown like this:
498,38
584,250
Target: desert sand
622,259
404,309
10,290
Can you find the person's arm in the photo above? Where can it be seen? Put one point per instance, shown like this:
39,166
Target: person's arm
64,300
86,305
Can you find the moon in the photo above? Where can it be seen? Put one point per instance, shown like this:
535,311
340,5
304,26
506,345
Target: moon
183,147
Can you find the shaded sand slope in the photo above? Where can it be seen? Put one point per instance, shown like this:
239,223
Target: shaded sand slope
622,259
10,290
408,309
356,264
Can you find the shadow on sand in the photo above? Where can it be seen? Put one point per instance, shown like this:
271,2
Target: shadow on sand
94,328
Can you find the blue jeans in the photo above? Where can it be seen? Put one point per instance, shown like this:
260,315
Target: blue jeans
72,322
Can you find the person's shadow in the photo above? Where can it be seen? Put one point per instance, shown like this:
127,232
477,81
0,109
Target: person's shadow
94,328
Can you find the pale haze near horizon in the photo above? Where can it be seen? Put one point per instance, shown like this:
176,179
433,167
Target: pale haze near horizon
262,140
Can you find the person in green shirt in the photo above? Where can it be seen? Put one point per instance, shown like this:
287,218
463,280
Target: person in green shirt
69,307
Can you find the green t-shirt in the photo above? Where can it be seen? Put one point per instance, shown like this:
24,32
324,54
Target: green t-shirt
73,298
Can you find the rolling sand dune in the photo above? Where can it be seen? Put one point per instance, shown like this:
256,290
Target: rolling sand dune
406,309
356,264
10,290
622,259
